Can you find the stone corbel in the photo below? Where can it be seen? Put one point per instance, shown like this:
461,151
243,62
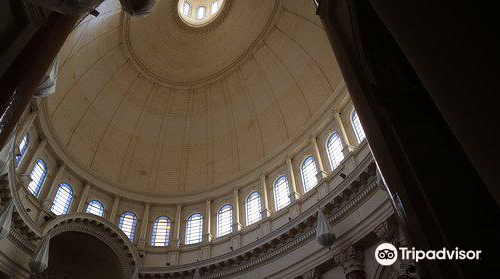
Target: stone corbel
320,175
387,231
237,227
347,150
351,260
265,213
207,237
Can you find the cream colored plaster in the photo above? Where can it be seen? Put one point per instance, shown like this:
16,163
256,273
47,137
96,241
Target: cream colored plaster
157,110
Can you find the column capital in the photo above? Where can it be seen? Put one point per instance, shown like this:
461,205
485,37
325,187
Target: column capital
294,196
207,237
387,231
237,226
320,175
350,259
263,177
347,150
265,213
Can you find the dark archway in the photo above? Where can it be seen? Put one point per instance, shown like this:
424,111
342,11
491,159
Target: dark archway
76,255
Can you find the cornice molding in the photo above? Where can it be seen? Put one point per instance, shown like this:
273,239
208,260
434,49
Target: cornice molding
296,233
339,203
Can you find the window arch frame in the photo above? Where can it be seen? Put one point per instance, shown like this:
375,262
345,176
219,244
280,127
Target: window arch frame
23,149
279,205
356,125
199,235
100,209
188,5
215,4
41,180
60,208
252,221
308,187
166,234
201,8
334,159
229,229
133,226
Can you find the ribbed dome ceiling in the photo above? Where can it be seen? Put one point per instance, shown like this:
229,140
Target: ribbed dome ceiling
154,107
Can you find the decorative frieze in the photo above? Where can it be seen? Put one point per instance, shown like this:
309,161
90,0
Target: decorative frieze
288,240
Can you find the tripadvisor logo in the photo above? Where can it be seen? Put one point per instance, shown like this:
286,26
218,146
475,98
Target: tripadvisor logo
387,254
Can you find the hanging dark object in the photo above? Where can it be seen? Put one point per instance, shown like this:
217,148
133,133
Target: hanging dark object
138,8
324,232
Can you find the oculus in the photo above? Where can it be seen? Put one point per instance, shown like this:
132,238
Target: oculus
197,13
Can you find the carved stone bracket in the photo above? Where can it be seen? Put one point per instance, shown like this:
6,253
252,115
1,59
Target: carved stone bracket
351,259
387,231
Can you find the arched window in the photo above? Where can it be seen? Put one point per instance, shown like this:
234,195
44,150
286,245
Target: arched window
201,12
224,220
161,231
96,208
281,193
63,199
358,129
253,208
194,228
334,147
128,222
23,147
309,172
186,9
215,7
38,176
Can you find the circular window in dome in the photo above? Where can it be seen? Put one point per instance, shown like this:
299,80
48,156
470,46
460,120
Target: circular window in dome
199,13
